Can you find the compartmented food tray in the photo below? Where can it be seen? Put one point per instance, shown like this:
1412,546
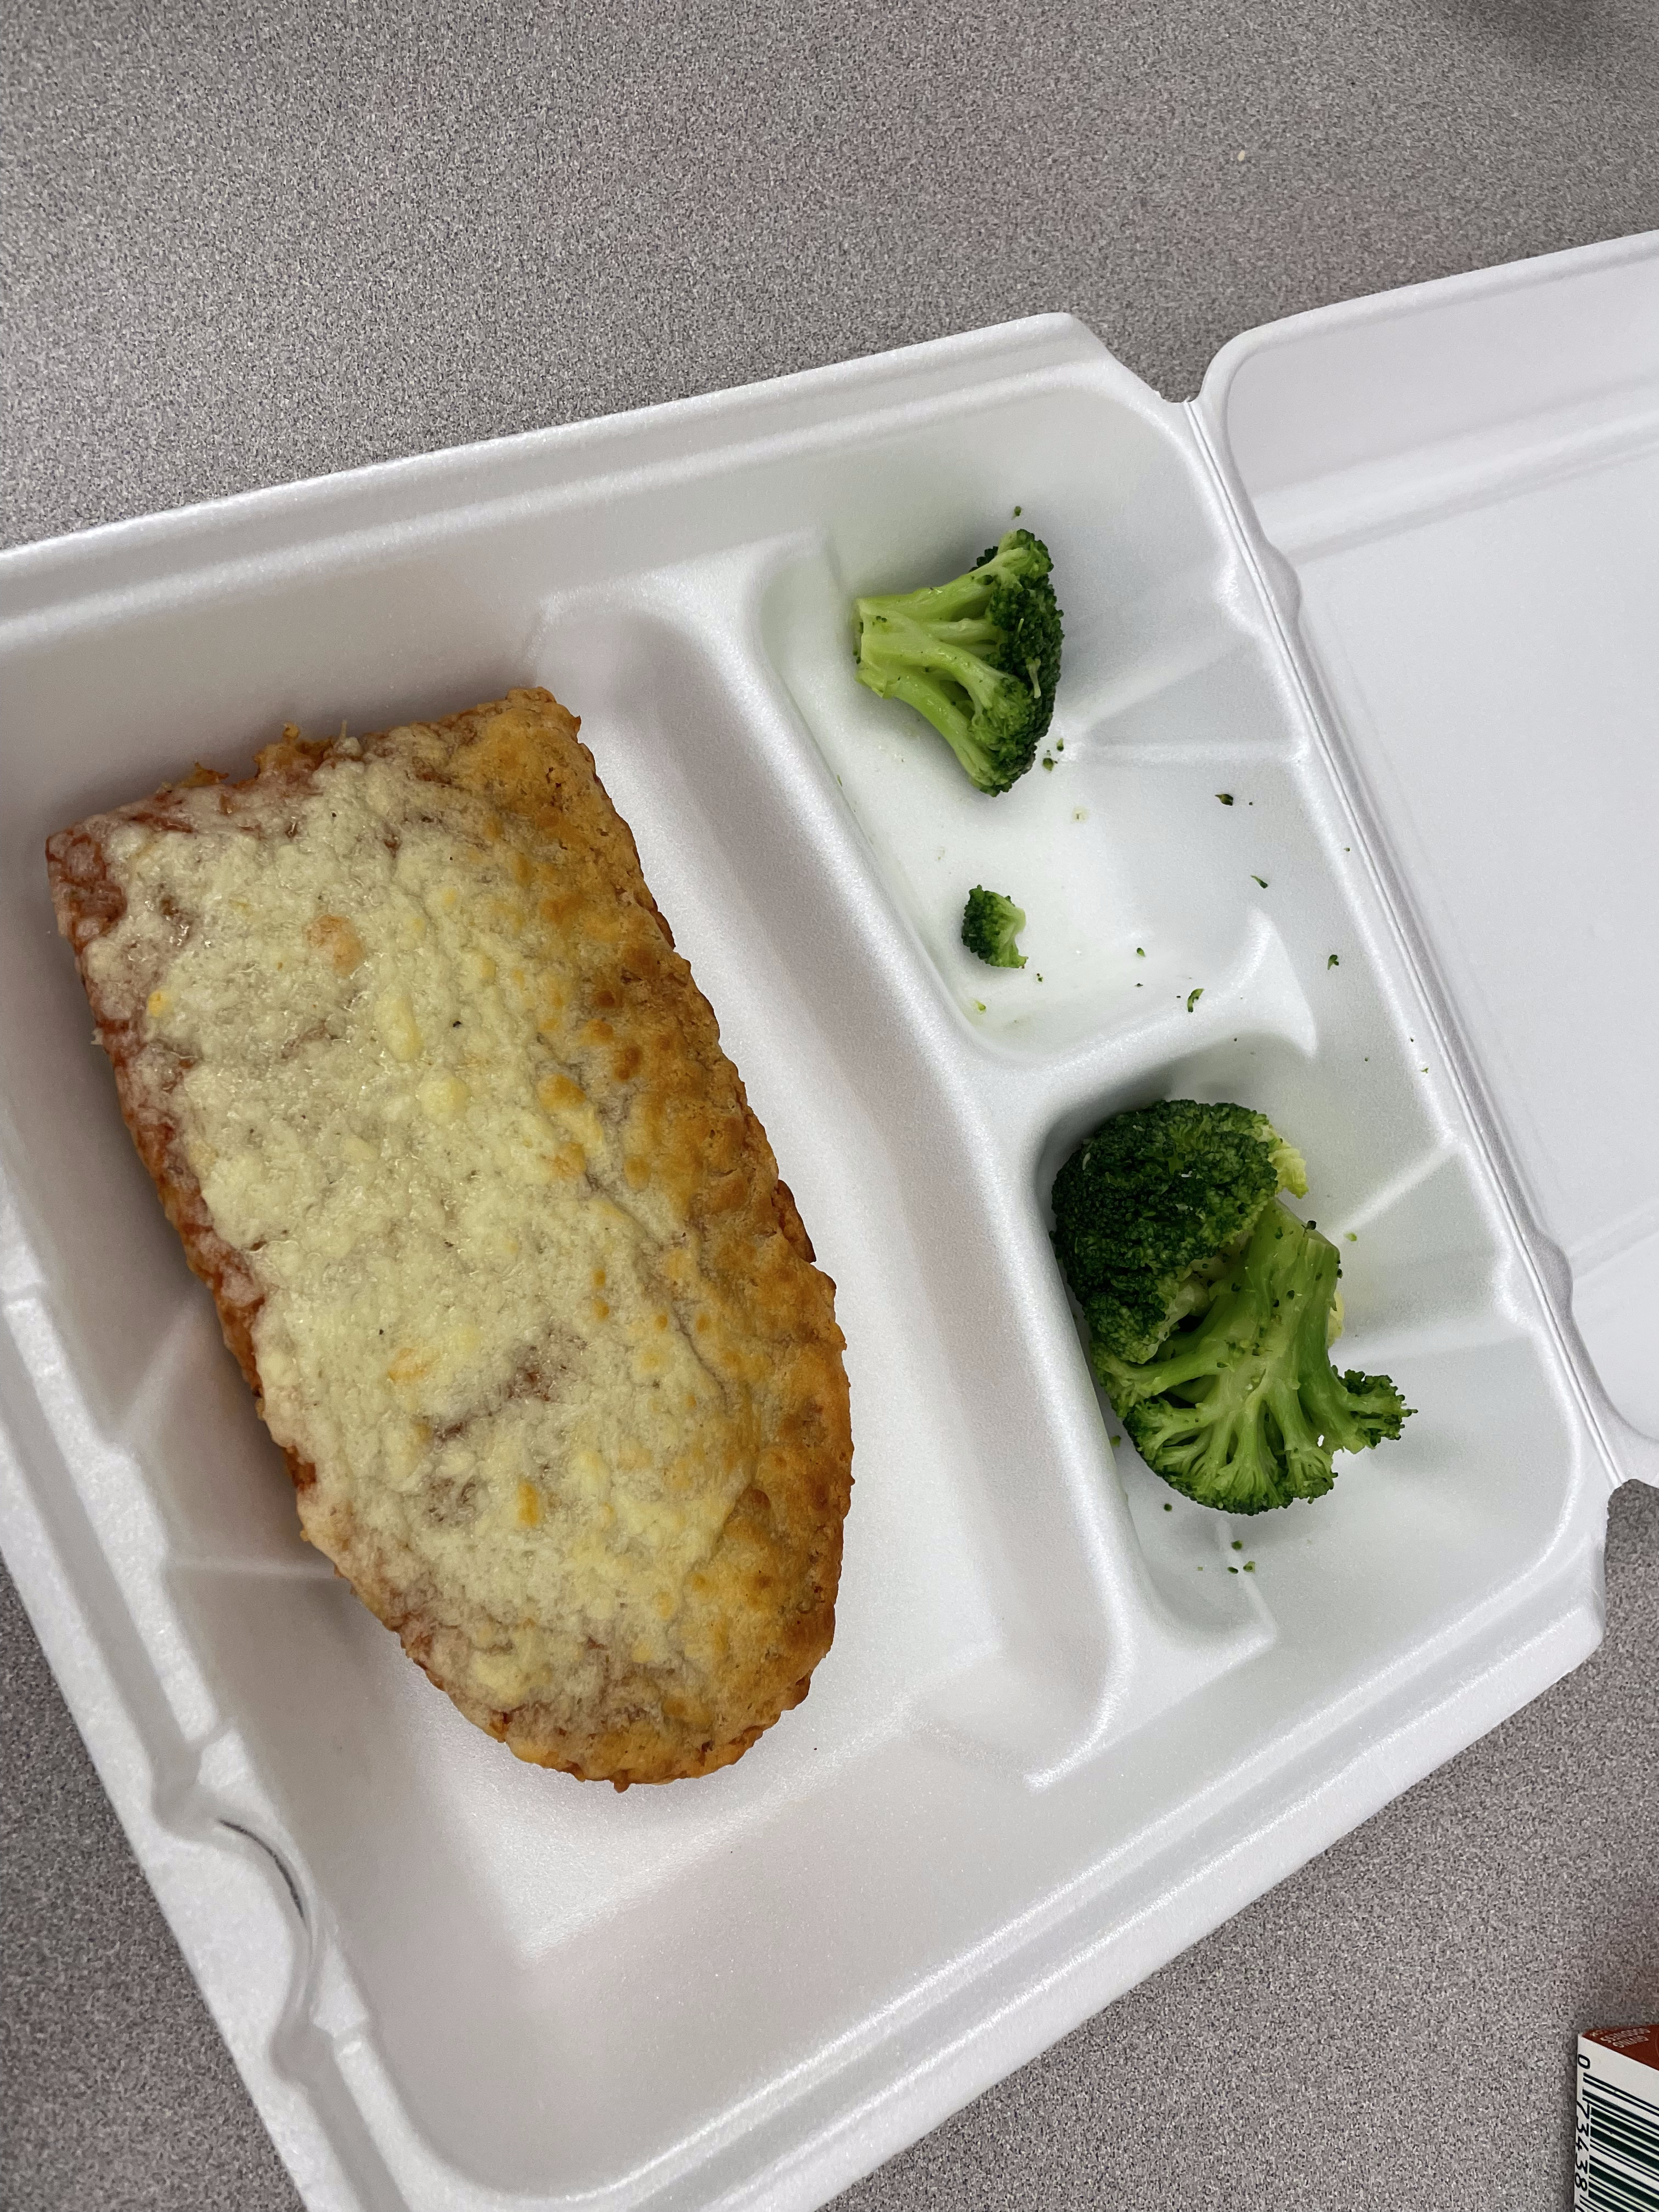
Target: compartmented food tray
1056,1740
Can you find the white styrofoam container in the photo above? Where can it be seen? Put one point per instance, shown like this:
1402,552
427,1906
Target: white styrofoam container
1388,582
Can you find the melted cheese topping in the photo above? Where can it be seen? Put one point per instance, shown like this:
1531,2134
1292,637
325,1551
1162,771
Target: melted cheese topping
466,1326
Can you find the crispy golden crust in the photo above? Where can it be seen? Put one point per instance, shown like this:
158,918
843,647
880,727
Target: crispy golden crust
629,1049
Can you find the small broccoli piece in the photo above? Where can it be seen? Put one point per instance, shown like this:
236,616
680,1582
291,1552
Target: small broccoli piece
1210,1306
978,657
990,924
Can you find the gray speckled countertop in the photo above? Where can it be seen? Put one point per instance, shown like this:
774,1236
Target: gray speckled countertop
242,244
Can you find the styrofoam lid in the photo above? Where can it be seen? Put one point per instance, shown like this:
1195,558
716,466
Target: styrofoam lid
1461,483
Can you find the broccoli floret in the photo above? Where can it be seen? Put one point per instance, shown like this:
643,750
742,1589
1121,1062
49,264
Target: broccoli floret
1210,1306
979,657
990,924
1148,1211
1244,1409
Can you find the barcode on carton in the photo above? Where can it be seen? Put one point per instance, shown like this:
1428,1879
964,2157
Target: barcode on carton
1616,2145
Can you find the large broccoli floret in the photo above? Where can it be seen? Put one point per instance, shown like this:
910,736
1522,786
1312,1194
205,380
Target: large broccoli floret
1242,1410
1210,1306
979,657
1148,1211
990,926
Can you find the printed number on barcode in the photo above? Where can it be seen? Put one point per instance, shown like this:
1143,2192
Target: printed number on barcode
1616,2162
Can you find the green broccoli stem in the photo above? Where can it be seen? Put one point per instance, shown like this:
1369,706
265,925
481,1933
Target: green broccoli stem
961,599
897,641
902,660
964,599
1320,1391
933,701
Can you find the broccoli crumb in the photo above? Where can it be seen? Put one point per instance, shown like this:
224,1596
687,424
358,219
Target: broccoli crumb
1140,952
1059,745
1232,1570
1225,797
1250,1566
1262,880
1048,760
1115,1442
1018,511
1353,1238
1079,814
1168,1508
990,926
980,1003
1238,1543
1333,962
1192,998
